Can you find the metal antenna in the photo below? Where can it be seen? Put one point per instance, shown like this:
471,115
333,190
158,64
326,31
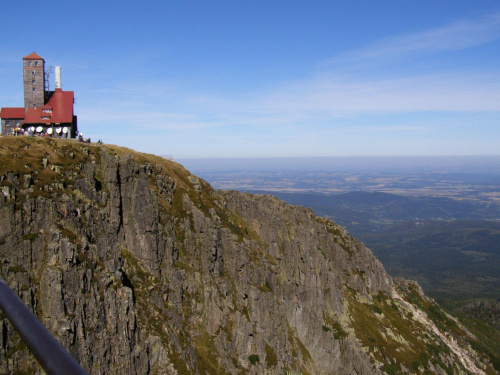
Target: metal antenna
48,72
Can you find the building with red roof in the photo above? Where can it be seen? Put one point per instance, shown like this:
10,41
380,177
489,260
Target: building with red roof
44,111
12,118
32,56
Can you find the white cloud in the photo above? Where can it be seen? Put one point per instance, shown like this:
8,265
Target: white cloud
329,96
350,83
323,97
301,103
455,36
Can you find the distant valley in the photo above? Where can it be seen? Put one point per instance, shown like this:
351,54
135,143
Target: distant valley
435,220
450,247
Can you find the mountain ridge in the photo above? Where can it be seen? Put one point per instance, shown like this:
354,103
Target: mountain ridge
137,266
449,246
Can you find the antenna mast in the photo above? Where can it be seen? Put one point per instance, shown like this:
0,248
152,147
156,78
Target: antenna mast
48,72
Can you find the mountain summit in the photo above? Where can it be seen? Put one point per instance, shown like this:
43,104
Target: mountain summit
138,267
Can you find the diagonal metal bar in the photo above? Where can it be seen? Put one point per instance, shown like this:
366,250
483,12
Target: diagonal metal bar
51,355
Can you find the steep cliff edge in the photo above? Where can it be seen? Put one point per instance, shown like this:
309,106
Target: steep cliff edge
138,267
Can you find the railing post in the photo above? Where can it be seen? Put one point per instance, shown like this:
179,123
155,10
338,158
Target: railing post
51,355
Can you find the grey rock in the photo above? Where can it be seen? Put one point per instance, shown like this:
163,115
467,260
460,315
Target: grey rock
138,267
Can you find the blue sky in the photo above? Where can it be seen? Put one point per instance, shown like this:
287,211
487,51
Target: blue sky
243,78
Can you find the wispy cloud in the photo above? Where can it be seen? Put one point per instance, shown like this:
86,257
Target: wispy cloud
323,96
455,36
350,83
302,103
330,95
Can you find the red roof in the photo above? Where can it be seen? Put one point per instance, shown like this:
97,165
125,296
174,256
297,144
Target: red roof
34,116
12,113
61,103
32,56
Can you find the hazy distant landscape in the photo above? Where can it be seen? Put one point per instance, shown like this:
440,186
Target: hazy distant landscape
434,220
472,178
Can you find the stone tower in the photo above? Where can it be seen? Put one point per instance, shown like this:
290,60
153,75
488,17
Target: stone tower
34,81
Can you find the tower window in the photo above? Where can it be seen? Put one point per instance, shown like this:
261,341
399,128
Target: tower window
33,81
36,63
7,123
29,63
34,105
34,89
33,73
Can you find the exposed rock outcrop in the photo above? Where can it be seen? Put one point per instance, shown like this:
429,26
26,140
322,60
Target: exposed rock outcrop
138,267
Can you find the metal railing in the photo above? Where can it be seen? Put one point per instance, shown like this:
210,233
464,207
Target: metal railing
51,355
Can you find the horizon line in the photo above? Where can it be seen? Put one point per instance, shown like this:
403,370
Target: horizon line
336,156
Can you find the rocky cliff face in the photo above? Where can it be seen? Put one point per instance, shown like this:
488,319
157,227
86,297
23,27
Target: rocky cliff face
138,267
